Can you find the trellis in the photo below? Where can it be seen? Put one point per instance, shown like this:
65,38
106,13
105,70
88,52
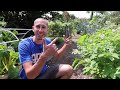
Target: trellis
16,36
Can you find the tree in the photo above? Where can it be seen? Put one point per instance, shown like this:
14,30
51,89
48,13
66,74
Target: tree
115,17
24,19
66,17
92,13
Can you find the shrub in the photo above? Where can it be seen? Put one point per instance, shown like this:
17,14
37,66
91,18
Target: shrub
100,54
59,41
8,60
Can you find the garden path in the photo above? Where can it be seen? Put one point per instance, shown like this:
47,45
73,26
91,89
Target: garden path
68,58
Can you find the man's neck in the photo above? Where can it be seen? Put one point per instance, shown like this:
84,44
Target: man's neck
36,40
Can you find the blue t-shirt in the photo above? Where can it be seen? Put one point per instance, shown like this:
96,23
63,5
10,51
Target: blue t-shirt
30,51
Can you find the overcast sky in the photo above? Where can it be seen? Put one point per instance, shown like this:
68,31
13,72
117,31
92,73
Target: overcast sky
80,14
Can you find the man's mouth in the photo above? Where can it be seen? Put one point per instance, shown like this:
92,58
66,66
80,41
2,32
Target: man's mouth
40,35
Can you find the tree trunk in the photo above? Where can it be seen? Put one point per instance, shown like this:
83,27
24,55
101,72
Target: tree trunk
91,16
67,33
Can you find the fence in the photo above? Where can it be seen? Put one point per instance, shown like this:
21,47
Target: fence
21,33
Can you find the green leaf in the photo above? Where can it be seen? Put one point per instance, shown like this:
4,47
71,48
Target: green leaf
81,39
115,55
101,55
13,72
78,64
75,62
82,61
93,56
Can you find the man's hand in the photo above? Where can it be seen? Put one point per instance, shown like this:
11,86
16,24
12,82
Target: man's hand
67,40
50,49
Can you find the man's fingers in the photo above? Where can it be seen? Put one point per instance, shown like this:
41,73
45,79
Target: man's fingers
70,37
53,41
44,44
64,37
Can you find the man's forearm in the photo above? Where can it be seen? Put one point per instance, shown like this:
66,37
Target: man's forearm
37,67
61,51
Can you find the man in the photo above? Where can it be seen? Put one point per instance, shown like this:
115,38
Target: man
35,51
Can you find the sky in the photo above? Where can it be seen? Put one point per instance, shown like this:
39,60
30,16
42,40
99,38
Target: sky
80,14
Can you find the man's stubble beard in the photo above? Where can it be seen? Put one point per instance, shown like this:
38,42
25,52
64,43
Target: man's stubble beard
40,37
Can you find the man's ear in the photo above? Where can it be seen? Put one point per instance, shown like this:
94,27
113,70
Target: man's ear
33,28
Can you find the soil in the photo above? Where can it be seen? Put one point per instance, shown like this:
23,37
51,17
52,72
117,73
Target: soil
68,58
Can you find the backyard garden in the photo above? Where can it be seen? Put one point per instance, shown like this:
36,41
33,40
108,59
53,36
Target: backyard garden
94,52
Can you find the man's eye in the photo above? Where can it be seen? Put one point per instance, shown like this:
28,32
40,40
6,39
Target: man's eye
43,27
38,26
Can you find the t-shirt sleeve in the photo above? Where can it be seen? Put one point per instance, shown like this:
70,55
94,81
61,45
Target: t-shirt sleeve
24,52
48,40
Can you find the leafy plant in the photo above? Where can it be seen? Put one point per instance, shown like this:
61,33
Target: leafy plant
6,36
8,60
57,28
101,53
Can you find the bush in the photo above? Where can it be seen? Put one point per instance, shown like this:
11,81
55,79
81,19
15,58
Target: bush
59,41
100,54
8,60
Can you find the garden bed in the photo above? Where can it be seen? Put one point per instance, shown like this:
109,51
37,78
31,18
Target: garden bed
68,58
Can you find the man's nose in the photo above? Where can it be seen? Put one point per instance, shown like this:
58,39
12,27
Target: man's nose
41,29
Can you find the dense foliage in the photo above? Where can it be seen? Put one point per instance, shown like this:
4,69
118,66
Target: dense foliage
8,60
100,53
24,19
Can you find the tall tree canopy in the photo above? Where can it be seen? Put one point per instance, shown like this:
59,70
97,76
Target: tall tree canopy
24,19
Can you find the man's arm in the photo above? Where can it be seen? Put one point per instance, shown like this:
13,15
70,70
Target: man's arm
32,71
61,51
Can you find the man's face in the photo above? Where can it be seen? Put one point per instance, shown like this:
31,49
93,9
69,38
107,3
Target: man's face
40,29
